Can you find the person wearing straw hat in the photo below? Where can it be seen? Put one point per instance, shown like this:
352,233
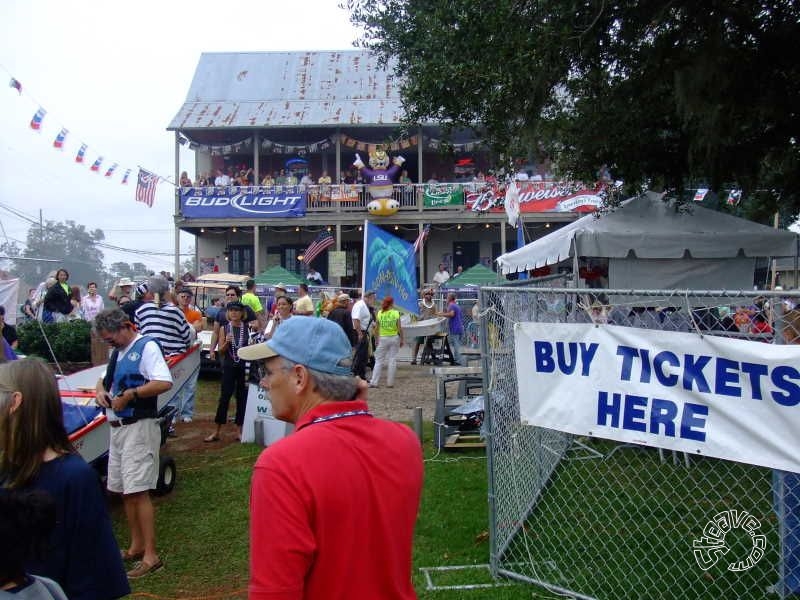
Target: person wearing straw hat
332,506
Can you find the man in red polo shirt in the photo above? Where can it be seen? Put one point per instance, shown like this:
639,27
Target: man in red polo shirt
333,505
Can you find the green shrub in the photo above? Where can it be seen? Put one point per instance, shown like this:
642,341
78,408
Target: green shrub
71,341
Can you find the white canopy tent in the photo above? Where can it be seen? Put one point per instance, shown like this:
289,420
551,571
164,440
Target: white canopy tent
650,245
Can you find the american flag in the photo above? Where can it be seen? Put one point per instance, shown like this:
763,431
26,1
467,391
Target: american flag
423,235
318,246
146,186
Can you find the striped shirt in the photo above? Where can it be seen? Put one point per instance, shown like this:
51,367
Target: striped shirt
166,325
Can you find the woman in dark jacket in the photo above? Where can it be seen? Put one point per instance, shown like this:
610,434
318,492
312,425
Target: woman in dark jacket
57,299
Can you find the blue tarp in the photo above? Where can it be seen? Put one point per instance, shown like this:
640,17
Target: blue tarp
76,416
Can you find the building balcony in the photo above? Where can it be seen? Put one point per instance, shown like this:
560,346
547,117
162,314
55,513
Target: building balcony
351,203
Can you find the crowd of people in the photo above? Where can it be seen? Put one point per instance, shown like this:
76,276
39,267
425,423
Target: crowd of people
306,365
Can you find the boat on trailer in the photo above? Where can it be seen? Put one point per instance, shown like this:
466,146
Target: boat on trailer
88,427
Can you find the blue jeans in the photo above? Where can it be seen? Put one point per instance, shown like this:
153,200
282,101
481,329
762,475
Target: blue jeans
186,408
454,339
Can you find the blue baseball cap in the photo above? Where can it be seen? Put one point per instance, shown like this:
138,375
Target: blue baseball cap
318,344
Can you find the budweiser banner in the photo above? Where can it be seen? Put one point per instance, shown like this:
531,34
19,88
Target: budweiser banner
226,203
536,196
443,194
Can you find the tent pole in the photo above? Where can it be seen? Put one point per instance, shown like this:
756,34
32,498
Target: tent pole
774,260
576,276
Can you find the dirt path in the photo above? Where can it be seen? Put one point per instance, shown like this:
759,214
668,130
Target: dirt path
414,386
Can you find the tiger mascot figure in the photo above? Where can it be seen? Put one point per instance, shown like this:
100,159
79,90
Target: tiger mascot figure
380,178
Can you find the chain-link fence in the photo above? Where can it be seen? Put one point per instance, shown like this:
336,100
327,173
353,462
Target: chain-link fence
595,518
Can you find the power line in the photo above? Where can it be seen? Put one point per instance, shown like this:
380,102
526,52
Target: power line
135,251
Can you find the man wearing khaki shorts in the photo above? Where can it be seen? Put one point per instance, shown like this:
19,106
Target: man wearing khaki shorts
136,375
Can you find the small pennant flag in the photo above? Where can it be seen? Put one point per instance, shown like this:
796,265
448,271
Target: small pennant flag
324,241
110,170
512,203
125,177
423,235
14,83
81,153
59,141
700,194
734,197
146,185
96,165
36,121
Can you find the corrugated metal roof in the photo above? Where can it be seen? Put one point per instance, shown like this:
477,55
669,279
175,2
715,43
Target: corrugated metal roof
289,89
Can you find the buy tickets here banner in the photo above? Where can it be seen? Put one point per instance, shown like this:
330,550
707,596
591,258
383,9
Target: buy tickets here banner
710,396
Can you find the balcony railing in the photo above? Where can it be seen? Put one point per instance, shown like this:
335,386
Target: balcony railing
478,197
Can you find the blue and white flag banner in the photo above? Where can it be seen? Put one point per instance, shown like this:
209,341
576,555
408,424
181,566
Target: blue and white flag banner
390,267
227,203
709,396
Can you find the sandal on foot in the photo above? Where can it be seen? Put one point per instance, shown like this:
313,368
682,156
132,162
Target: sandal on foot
128,555
212,438
142,569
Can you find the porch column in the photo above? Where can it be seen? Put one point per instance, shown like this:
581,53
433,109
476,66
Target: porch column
256,149
256,244
503,237
338,245
336,175
419,155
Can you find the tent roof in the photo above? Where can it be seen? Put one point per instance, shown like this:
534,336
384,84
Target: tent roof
648,227
277,274
475,275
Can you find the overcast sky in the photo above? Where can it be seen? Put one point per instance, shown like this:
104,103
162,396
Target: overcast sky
115,74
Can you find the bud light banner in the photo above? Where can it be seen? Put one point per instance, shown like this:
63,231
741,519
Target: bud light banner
232,203
443,194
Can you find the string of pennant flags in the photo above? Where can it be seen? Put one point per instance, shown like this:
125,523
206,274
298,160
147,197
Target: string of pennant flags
147,181
402,143
733,199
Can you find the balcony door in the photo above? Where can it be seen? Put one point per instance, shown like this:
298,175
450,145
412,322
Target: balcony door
240,260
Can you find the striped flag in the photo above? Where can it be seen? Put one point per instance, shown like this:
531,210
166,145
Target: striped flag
423,235
700,194
111,169
734,197
125,176
36,121
14,83
59,141
81,153
318,246
146,185
96,165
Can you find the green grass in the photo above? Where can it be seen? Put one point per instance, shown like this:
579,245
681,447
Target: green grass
586,533
202,526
